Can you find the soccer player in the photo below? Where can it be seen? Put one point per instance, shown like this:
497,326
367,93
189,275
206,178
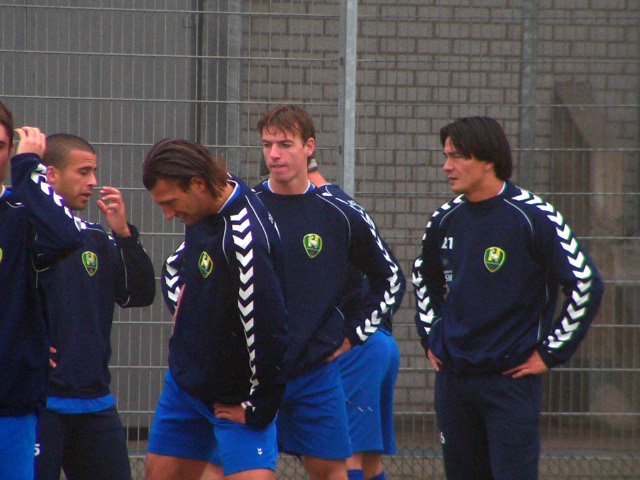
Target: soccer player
486,285
80,430
225,378
35,229
368,375
323,231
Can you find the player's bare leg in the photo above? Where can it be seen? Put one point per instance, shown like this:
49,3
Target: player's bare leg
163,467
257,474
370,463
323,469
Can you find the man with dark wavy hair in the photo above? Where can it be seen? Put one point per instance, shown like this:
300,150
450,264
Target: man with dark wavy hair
486,285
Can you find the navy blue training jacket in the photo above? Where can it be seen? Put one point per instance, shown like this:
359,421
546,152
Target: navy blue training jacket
80,296
35,228
230,331
487,281
323,231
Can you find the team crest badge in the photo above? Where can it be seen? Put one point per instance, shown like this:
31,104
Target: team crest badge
312,244
90,262
494,258
205,264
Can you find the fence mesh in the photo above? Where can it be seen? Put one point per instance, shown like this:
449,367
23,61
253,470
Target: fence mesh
561,76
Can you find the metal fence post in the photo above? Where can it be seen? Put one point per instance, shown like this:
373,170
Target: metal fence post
347,95
528,93
233,85
197,34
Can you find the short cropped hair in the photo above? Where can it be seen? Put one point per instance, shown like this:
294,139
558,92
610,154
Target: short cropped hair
6,120
288,118
181,160
482,138
59,145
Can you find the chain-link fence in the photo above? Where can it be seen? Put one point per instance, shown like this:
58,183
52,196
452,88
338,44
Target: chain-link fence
561,76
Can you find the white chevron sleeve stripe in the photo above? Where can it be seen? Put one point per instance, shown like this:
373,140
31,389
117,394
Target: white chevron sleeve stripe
578,299
38,176
241,223
389,295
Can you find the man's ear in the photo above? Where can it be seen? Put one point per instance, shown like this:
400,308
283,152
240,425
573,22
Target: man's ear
198,183
490,166
52,175
310,146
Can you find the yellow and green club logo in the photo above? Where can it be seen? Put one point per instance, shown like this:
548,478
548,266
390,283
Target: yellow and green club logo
205,264
494,258
312,243
90,262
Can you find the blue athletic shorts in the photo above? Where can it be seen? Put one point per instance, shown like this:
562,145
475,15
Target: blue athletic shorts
185,427
17,441
312,420
369,375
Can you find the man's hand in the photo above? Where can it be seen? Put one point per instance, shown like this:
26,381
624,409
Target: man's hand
112,205
344,348
533,366
175,314
234,413
52,351
32,140
435,361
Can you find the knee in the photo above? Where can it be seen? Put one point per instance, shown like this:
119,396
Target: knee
371,465
150,468
148,472
321,469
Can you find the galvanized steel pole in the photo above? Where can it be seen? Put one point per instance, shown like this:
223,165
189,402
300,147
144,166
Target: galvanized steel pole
347,100
526,173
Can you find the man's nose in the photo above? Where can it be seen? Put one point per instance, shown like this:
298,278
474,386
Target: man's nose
168,213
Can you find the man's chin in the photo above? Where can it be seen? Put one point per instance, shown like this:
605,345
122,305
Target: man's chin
455,188
188,221
79,205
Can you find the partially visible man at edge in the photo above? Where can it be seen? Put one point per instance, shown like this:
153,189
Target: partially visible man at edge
35,229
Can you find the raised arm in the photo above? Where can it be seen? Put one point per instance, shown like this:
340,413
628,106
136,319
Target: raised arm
134,276
56,230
